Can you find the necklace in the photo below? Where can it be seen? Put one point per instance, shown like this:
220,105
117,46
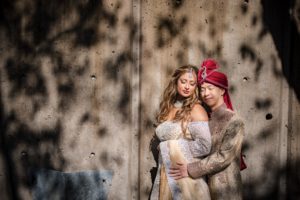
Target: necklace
178,104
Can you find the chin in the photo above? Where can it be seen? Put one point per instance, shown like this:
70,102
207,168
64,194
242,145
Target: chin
185,95
209,104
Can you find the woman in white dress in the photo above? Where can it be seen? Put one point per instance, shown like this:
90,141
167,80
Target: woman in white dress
184,137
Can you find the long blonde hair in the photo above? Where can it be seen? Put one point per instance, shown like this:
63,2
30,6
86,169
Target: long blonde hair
170,96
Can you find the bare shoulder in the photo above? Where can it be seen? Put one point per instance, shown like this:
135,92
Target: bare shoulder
198,113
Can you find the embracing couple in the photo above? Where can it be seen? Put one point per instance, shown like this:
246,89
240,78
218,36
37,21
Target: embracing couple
199,151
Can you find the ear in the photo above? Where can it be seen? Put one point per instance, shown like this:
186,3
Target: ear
223,91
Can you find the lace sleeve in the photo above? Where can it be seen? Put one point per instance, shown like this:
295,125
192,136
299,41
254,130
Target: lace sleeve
201,144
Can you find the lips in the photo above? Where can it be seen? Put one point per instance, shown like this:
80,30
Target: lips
207,99
186,92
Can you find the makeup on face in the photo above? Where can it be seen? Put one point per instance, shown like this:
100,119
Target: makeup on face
187,84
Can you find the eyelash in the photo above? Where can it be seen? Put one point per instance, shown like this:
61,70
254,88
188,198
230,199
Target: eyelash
207,89
192,84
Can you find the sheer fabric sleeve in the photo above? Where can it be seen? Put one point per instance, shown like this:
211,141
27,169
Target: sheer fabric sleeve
201,144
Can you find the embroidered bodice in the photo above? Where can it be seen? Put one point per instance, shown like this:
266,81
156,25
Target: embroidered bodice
197,135
169,130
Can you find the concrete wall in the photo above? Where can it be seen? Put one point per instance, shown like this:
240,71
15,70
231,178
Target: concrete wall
81,82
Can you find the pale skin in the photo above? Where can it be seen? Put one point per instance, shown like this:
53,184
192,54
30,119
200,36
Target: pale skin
186,86
213,97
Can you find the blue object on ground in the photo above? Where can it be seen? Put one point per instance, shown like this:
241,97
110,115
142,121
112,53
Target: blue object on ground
83,185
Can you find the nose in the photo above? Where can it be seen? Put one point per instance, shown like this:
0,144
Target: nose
204,93
186,86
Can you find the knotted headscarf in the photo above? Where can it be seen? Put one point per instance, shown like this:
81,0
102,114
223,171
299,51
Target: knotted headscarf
208,73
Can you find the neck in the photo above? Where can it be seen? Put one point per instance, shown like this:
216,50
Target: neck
219,104
179,101
217,113
180,98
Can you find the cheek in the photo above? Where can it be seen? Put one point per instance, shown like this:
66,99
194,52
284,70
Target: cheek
218,94
193,88
214,94
202,94
179,86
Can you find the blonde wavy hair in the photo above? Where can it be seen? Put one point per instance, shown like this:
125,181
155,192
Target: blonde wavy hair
170,95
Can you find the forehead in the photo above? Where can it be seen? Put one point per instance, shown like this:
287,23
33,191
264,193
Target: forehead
205,84
191,76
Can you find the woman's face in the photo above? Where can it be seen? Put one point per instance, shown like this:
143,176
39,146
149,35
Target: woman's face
186,84
212,95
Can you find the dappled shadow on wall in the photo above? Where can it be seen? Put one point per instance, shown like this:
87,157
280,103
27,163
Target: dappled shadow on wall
267,186
23,152
32,33
282,24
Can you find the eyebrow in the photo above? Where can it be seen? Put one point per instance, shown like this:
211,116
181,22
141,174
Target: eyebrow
184,79
209,86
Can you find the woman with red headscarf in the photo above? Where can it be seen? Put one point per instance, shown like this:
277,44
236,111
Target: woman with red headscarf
222,166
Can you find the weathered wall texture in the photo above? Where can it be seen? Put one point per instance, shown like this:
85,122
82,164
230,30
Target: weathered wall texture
81,82
66,92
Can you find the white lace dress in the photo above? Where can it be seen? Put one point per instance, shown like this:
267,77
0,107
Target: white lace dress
177,147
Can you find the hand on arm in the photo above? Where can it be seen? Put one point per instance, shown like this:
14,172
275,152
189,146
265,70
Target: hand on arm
202,141
219,160
179,171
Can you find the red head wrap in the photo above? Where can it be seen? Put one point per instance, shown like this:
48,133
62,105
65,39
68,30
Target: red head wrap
207,73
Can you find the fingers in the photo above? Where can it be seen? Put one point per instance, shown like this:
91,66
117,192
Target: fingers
177,177
179,163
175,173
177,166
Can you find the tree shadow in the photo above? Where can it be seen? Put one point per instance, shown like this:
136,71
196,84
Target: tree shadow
154,144
280,20
30,156
283,28
34,33
275,15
